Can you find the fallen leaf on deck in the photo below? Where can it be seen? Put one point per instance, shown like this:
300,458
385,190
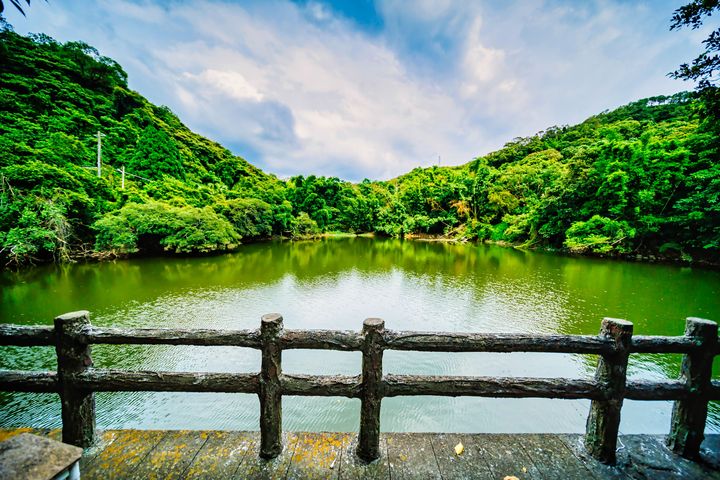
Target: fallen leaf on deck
459,448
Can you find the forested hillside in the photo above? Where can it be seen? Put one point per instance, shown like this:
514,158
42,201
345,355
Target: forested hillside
640,180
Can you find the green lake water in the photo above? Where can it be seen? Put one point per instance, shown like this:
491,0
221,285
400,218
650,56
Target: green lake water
335,284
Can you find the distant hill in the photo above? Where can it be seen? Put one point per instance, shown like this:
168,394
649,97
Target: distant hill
643,179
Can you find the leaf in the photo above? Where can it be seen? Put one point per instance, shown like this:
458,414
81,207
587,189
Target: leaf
459,449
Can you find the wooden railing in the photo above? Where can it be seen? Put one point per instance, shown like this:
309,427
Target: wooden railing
76,380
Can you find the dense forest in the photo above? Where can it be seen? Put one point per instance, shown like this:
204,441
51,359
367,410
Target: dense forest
641,180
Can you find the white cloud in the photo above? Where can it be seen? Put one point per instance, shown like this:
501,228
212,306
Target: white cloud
484,67
483,63
303,90
344,101
319,11
144,11
226,83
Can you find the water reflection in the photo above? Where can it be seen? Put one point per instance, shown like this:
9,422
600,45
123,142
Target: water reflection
337,283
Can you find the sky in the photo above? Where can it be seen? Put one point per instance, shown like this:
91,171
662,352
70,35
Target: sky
372,89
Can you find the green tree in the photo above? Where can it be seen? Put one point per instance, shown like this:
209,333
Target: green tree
15,3
705,66
156,155
252,218
157,226
642,178
599,235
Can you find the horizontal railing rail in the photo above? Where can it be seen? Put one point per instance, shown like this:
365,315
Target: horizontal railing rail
26,336
110,380
76,379
347,340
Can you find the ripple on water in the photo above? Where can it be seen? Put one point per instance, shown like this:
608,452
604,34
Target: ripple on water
337,284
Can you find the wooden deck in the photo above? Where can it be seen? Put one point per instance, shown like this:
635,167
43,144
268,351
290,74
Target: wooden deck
154,454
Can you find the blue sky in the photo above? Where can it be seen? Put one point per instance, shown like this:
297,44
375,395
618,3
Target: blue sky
362,88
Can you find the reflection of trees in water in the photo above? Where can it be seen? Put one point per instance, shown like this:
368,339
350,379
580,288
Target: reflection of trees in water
598,287
35,296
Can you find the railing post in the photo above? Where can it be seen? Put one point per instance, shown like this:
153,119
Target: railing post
604,419
73,356
270,391
369,440
689,416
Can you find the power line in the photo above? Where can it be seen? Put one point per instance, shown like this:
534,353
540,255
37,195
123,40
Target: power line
133,175
122,171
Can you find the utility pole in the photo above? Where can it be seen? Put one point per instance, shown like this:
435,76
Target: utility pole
122,178
99,156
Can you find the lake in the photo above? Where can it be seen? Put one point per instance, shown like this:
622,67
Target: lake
335,283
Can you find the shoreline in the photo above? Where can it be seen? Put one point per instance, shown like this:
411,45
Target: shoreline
648,258
87,256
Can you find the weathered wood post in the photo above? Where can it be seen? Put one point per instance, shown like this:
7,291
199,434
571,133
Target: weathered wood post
369,440
604,419
689,416
270,391
73,356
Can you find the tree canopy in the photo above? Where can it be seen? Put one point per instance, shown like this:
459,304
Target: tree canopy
642,179
705,67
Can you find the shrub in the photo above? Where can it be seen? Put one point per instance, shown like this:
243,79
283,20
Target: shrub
599,235
160,226
252,218
303,225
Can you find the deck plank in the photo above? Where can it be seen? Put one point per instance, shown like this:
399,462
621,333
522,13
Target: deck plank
470,463
255,467
8,433
514,445
123,454
411,456
90,455
576,445
318,455
353,467
151,454
53,434
171,457
503,456
552,457
222,455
